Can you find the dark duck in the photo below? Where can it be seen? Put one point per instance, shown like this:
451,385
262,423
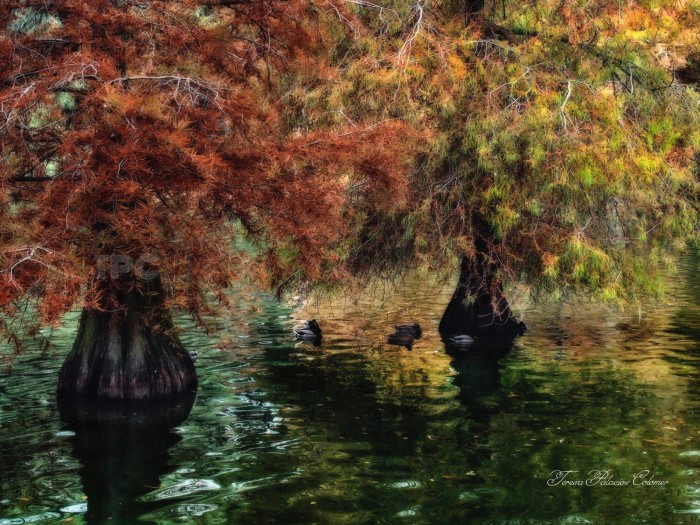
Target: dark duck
405,335
401,339
310,331
413,330
461,342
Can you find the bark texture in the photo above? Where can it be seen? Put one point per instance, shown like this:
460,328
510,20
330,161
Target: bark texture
127,355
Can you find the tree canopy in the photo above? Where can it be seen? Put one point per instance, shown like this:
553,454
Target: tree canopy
556,143
565,138
155,131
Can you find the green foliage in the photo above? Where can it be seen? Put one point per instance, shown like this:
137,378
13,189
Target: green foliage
558,136
30,20
66,101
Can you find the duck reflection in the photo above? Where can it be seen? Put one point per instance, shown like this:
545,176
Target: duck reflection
123,450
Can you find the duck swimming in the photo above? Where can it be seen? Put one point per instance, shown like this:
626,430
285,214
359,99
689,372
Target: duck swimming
461,341
401,339
310,331
412,329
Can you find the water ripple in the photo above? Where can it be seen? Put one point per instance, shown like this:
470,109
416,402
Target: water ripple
188,486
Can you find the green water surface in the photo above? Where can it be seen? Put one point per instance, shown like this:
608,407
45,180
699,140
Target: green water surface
358,431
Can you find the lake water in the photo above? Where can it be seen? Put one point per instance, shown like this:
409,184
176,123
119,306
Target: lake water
359,431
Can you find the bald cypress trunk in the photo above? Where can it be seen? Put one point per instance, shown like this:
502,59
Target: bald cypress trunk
473,9
478,306
130,354
690,73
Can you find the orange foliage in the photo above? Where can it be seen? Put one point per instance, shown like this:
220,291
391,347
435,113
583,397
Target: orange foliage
151,128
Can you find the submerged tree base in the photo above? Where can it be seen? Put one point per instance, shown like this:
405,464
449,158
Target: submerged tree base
126,356
479,309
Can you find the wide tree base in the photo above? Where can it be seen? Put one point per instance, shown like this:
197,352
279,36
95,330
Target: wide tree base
479,309
126,356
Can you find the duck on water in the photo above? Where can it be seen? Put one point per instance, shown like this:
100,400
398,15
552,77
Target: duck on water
310,331
405,335
414,330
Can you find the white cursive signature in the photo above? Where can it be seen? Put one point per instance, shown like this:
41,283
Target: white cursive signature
602,478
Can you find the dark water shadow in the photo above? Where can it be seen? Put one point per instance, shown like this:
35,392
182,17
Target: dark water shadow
479,377
123,451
